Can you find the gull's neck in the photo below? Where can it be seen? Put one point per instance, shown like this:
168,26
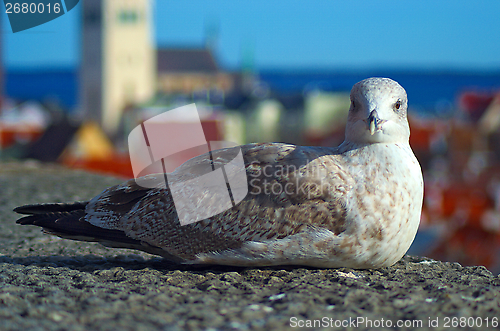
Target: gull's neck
348,145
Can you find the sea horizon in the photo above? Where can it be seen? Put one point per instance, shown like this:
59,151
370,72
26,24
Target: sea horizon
429,90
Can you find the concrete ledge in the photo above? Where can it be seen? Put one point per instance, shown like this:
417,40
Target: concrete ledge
50,283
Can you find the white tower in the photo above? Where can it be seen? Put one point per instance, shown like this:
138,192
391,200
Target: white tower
119,58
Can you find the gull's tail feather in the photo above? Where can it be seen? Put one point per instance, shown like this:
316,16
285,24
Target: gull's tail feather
45,208
68,221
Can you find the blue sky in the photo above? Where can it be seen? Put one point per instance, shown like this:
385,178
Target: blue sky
291,34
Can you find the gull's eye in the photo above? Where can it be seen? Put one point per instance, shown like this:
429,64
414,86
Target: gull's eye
354,104
397,105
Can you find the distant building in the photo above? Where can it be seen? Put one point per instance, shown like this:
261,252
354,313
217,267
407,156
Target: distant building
190,70
118,58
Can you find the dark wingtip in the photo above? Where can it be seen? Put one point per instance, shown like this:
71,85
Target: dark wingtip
23,209
45,208
28,220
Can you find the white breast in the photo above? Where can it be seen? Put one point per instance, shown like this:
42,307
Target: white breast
385,204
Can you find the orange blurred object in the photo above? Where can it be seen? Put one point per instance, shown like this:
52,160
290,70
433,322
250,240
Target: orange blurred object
12,134
116,165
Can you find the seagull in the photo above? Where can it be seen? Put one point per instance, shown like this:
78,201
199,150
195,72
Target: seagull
357,205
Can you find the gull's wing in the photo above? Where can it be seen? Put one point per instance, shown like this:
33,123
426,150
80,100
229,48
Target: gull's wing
290,188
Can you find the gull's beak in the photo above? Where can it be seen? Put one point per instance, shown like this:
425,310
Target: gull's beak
373,121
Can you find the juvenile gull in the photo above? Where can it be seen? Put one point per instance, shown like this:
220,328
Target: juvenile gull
357,205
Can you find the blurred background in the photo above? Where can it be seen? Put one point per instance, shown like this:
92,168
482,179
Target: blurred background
73,88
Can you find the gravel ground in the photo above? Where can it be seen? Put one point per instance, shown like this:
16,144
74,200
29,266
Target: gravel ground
47,283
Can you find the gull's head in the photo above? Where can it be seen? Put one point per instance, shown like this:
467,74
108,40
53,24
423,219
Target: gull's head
378,112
